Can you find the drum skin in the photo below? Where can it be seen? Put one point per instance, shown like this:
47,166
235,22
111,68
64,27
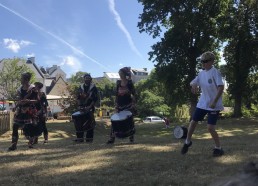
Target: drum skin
180,132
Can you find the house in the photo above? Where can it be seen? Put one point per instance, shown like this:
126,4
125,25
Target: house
139,74
136,75
55,72
112,76
56,91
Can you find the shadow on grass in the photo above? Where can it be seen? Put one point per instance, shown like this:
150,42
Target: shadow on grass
155,159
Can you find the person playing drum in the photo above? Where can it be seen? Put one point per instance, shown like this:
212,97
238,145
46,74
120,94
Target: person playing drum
125,98
85,122
26,114
42,112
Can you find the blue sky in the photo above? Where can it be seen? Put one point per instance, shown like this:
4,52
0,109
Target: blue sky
93,36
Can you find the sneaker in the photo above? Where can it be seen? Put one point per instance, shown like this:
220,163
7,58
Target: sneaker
184,150
111,141
45,141
35,141
131,139
78,140
12,147
217,152
89,140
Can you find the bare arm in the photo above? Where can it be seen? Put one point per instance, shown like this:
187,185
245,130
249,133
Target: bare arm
219,93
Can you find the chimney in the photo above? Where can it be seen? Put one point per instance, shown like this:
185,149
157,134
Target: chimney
31,60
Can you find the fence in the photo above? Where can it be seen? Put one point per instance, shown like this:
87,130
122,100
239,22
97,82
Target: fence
6,119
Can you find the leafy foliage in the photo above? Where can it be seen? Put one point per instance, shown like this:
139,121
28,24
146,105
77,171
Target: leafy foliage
10,76
240,30
189,28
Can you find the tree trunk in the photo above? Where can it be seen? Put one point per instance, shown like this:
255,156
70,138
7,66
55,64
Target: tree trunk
238,106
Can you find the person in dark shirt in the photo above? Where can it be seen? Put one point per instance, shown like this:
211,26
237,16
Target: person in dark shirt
85,120
125,98
25,116
42,112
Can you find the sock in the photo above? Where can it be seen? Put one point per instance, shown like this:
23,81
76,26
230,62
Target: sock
218,148
187,141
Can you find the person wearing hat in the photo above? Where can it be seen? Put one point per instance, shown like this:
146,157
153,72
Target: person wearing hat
125,98
209,80
87,97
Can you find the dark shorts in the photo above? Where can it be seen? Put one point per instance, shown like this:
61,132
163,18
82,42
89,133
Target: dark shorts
199,115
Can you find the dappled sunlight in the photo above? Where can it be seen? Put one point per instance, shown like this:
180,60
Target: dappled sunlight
230,159
79,163
18,165
59,133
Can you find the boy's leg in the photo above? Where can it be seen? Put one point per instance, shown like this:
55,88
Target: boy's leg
198,116
212,120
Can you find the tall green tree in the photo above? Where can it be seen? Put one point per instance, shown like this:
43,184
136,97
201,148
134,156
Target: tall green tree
10,76
189,28
240,29
151,97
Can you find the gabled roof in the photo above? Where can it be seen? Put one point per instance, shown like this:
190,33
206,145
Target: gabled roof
33,64
51,70
53,83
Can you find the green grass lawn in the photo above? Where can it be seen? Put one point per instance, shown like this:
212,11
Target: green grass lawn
154,159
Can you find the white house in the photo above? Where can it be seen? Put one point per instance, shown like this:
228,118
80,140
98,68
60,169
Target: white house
137,75
112,76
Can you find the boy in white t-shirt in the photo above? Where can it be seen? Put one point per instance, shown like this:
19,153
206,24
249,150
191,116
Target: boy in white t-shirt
210,102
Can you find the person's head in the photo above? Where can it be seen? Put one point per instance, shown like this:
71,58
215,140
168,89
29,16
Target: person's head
125,73
87,79
207,60
38,85
25,78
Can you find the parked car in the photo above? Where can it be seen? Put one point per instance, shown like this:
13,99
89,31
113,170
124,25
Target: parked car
153,119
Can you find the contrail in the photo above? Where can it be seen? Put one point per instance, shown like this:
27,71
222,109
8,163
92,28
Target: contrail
122,27
54,36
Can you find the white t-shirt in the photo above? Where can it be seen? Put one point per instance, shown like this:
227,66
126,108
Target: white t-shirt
208,82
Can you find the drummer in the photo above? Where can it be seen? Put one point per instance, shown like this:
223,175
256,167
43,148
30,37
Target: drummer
25,114
42,111
125,97
87,97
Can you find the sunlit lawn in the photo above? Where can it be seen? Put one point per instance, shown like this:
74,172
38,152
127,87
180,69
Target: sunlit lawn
154,159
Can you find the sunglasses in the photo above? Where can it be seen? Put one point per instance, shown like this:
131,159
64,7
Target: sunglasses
205,61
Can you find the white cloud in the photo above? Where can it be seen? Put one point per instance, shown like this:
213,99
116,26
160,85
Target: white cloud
71,64
15,45
121,64
121,25
75,49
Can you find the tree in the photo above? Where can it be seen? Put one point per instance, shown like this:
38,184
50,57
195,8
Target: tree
10,76
190,29
240,29
104,86
151,97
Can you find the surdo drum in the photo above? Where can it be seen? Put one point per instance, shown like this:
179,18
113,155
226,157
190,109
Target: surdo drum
81,121
122,124
180,132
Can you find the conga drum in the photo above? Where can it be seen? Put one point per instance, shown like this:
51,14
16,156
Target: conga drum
82,121
180,132
122,124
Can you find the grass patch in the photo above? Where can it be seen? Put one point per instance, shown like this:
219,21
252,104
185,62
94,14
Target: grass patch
154,159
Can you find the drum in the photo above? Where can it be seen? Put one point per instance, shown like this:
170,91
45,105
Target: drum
180,132
122,124
83,121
